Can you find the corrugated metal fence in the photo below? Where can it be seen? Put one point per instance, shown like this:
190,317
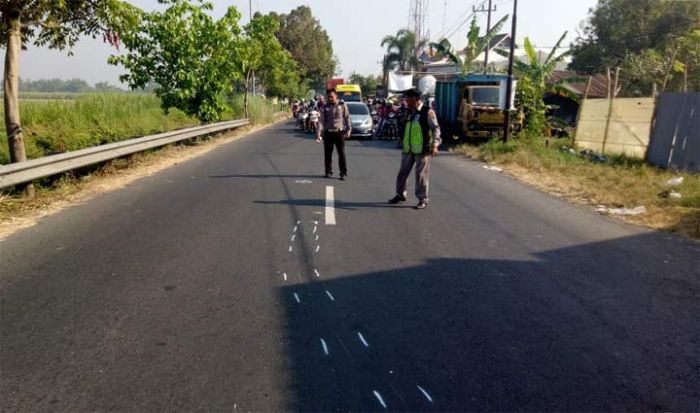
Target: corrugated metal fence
675,140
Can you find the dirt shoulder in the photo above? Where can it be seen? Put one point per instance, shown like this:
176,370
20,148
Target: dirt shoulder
627,190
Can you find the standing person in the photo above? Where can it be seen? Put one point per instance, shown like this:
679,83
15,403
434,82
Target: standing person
421,141
334,128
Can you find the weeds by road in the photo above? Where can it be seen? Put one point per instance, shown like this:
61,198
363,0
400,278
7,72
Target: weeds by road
93,119
619,183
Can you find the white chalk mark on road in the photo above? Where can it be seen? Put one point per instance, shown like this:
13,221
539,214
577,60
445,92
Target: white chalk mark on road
425,393
296,297
294,237
325,346
315,228
284,274
316,273
291,248
318,247
316,237
296,228
379,398
328,293
362,339
330,206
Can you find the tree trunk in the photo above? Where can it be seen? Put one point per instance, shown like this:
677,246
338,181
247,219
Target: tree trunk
15,141
245,94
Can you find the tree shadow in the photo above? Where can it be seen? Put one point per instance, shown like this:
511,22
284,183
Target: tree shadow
587,328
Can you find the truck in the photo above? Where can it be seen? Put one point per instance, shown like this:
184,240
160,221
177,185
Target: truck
473,105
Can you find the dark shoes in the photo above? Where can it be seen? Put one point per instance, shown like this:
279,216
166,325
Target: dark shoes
342,177
422,204
328,175
397,199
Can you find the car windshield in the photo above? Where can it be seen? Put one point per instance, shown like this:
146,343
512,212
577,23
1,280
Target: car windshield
485,96
358,109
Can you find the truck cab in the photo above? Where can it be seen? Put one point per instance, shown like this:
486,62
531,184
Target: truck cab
474,105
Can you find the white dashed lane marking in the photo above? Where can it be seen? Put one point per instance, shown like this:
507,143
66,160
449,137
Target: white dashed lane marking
379,398
425,393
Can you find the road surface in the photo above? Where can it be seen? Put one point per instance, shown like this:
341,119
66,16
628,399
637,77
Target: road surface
243,281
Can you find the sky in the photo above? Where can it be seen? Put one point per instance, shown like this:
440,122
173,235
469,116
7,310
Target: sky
356,28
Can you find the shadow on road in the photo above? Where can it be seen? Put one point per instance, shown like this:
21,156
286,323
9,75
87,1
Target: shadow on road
595,327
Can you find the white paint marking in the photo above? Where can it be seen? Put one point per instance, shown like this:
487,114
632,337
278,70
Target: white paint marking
296,297
291,248
316,237
328,293
317,273
298,222
294,237
325,347
284,274
318,247
362,339
330,206
315,228
303,181
425,393
296,228
379,397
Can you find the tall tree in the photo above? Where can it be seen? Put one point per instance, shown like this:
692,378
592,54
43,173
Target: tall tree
616,29
309,44
57,24
191,57
476,44
402,50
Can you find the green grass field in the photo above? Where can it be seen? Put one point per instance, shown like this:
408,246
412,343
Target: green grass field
59,125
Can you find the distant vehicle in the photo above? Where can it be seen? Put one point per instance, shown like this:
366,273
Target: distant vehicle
361,120
349,93
474,105
333,83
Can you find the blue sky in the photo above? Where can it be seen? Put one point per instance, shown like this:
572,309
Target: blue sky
356,28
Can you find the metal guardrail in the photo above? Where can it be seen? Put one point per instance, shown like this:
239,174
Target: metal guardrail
21,172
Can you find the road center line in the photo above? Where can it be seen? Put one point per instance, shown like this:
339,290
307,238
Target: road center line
330,206
317,273
296,297
325,347
284,274
328,293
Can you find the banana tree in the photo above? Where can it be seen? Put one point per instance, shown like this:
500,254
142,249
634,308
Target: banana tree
533,75
475,45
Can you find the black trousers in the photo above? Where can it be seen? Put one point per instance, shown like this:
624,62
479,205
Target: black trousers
337,139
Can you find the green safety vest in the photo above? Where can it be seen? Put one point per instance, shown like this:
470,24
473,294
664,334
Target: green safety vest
417,138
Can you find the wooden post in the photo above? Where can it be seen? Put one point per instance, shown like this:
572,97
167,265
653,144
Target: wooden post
610,108
580,107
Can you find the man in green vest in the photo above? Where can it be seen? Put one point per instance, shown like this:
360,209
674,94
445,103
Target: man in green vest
421,140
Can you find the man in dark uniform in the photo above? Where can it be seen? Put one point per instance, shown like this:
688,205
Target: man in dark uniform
334,127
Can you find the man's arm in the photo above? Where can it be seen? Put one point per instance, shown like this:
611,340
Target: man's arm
319,125
435,128
346,121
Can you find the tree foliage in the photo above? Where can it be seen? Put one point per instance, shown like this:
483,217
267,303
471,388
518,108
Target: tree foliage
190,56
476,44
644,38
368,83
402,51
533,75
309,44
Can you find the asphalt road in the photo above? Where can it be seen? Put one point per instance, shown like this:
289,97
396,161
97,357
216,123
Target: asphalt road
219,285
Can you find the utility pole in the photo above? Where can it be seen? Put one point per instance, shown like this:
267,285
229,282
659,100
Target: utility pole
509,88
490,10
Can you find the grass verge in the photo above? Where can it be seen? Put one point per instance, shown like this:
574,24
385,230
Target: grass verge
621,182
